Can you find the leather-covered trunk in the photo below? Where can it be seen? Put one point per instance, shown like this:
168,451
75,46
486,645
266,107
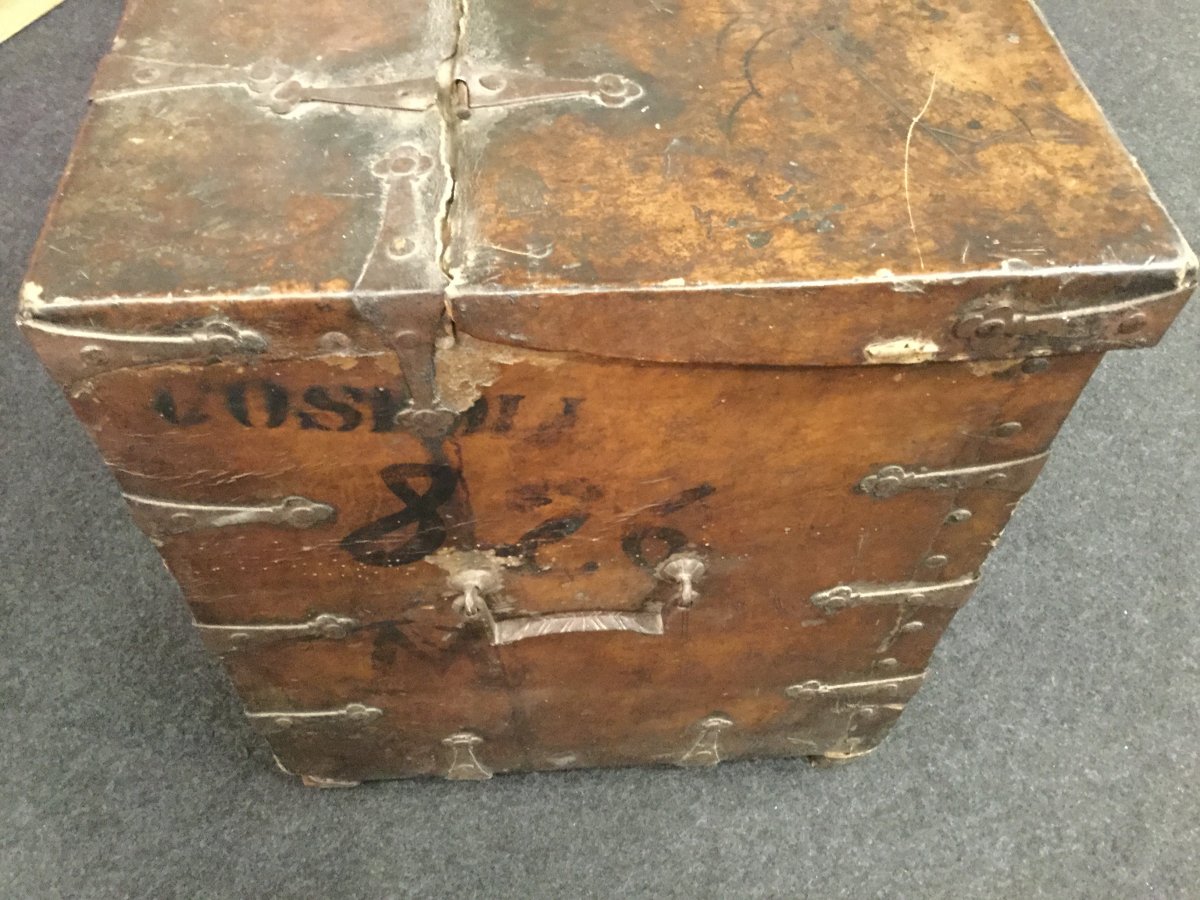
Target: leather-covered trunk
526,385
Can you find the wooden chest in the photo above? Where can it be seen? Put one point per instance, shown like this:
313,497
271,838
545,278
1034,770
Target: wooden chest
539,384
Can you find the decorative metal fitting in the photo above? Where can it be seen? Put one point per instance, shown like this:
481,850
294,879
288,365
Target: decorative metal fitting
353,713
1014,476
496,87
271,84
464,764
476,580
1002,323
473,587
277,88
685,569
878,691
165,517
706,750
946,594
223,639
101,351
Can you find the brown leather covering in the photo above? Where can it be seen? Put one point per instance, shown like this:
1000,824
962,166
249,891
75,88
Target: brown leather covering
532,385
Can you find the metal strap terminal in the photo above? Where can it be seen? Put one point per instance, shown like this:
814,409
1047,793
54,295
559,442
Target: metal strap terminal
222,639
1014,476
1000,323
352,713
947,594
495,87
883,690
87,352
160,518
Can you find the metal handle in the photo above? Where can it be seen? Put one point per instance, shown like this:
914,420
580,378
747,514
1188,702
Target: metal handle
474,586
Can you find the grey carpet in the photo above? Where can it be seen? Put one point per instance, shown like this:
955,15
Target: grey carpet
1053,753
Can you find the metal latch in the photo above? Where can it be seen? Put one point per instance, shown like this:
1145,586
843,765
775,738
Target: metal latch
159,518
1014,476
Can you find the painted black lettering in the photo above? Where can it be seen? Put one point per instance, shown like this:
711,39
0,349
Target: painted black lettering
164,405
274,400
684,498
318,398
552,431
549,532
647,546
421,513
509,404
476,416
384,404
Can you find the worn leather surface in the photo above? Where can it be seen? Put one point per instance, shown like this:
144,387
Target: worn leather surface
1052,762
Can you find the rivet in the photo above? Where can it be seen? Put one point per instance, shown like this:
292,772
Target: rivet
912,627
402,165
889,663
936,561
407,340
958,515
1008,429
1033,366
333,341
399,246
991,328
492,82
996,478
261,70
92,355
1135,322
610,84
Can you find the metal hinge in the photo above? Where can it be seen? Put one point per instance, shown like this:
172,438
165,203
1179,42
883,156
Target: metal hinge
270,84
1013,476
85,352
947,594
1000,324
159,518
281,88
484,88
222,639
